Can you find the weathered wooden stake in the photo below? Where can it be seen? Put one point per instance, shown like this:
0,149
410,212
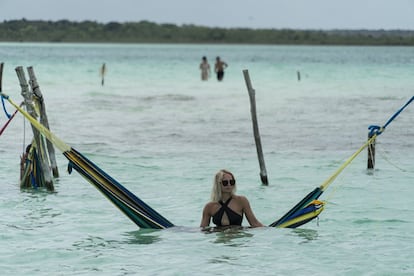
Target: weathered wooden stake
38,139
43,118
263,173
1,75
371,153
103,72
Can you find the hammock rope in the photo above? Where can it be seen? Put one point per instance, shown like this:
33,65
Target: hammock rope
144,216
292,218
10,118
138,211
4,107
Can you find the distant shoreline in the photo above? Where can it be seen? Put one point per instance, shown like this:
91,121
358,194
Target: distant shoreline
148,32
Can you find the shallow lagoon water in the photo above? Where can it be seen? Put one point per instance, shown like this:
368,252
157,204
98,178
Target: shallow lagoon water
163,133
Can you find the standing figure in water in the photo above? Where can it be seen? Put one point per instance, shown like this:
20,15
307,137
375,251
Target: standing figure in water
205,69
219,68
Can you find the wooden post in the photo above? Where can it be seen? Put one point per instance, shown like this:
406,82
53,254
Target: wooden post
38,139
371,153
103,72
43,118
1,75
263,173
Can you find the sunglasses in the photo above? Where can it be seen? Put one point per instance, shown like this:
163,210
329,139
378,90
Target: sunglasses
231,182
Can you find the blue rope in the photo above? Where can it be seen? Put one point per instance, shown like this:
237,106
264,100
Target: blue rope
374,129
4,107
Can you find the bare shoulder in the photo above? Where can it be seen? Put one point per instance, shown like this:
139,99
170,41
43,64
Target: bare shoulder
210,206
240,198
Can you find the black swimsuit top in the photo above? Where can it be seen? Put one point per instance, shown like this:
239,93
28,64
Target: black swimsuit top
234,218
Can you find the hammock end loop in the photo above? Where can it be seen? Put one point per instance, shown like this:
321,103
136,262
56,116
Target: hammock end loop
375,130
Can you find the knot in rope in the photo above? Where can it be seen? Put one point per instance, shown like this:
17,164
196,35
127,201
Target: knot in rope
375,130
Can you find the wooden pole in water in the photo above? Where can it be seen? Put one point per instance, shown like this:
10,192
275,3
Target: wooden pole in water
1,75
371,153
43,118
38,139
263,173
103,72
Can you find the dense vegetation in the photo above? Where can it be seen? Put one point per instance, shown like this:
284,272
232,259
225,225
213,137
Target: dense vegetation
148,32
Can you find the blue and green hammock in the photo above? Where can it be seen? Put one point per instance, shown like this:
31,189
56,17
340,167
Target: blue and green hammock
146,217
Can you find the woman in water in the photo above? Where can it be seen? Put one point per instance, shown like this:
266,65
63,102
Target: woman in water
226,208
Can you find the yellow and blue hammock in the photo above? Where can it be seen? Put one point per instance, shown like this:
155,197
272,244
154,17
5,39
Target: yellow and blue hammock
133,207
146,217
31,176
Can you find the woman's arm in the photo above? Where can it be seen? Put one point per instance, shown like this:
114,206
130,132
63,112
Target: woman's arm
205,219
254,222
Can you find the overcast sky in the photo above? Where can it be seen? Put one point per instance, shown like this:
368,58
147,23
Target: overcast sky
295,14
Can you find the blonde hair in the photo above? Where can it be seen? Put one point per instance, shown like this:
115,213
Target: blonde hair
216,190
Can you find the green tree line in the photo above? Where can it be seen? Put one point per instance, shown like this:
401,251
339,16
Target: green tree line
148,32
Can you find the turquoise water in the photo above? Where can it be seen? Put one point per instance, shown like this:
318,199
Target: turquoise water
163,133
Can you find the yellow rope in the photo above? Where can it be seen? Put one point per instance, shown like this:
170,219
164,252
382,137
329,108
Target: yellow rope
62,146
347,162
